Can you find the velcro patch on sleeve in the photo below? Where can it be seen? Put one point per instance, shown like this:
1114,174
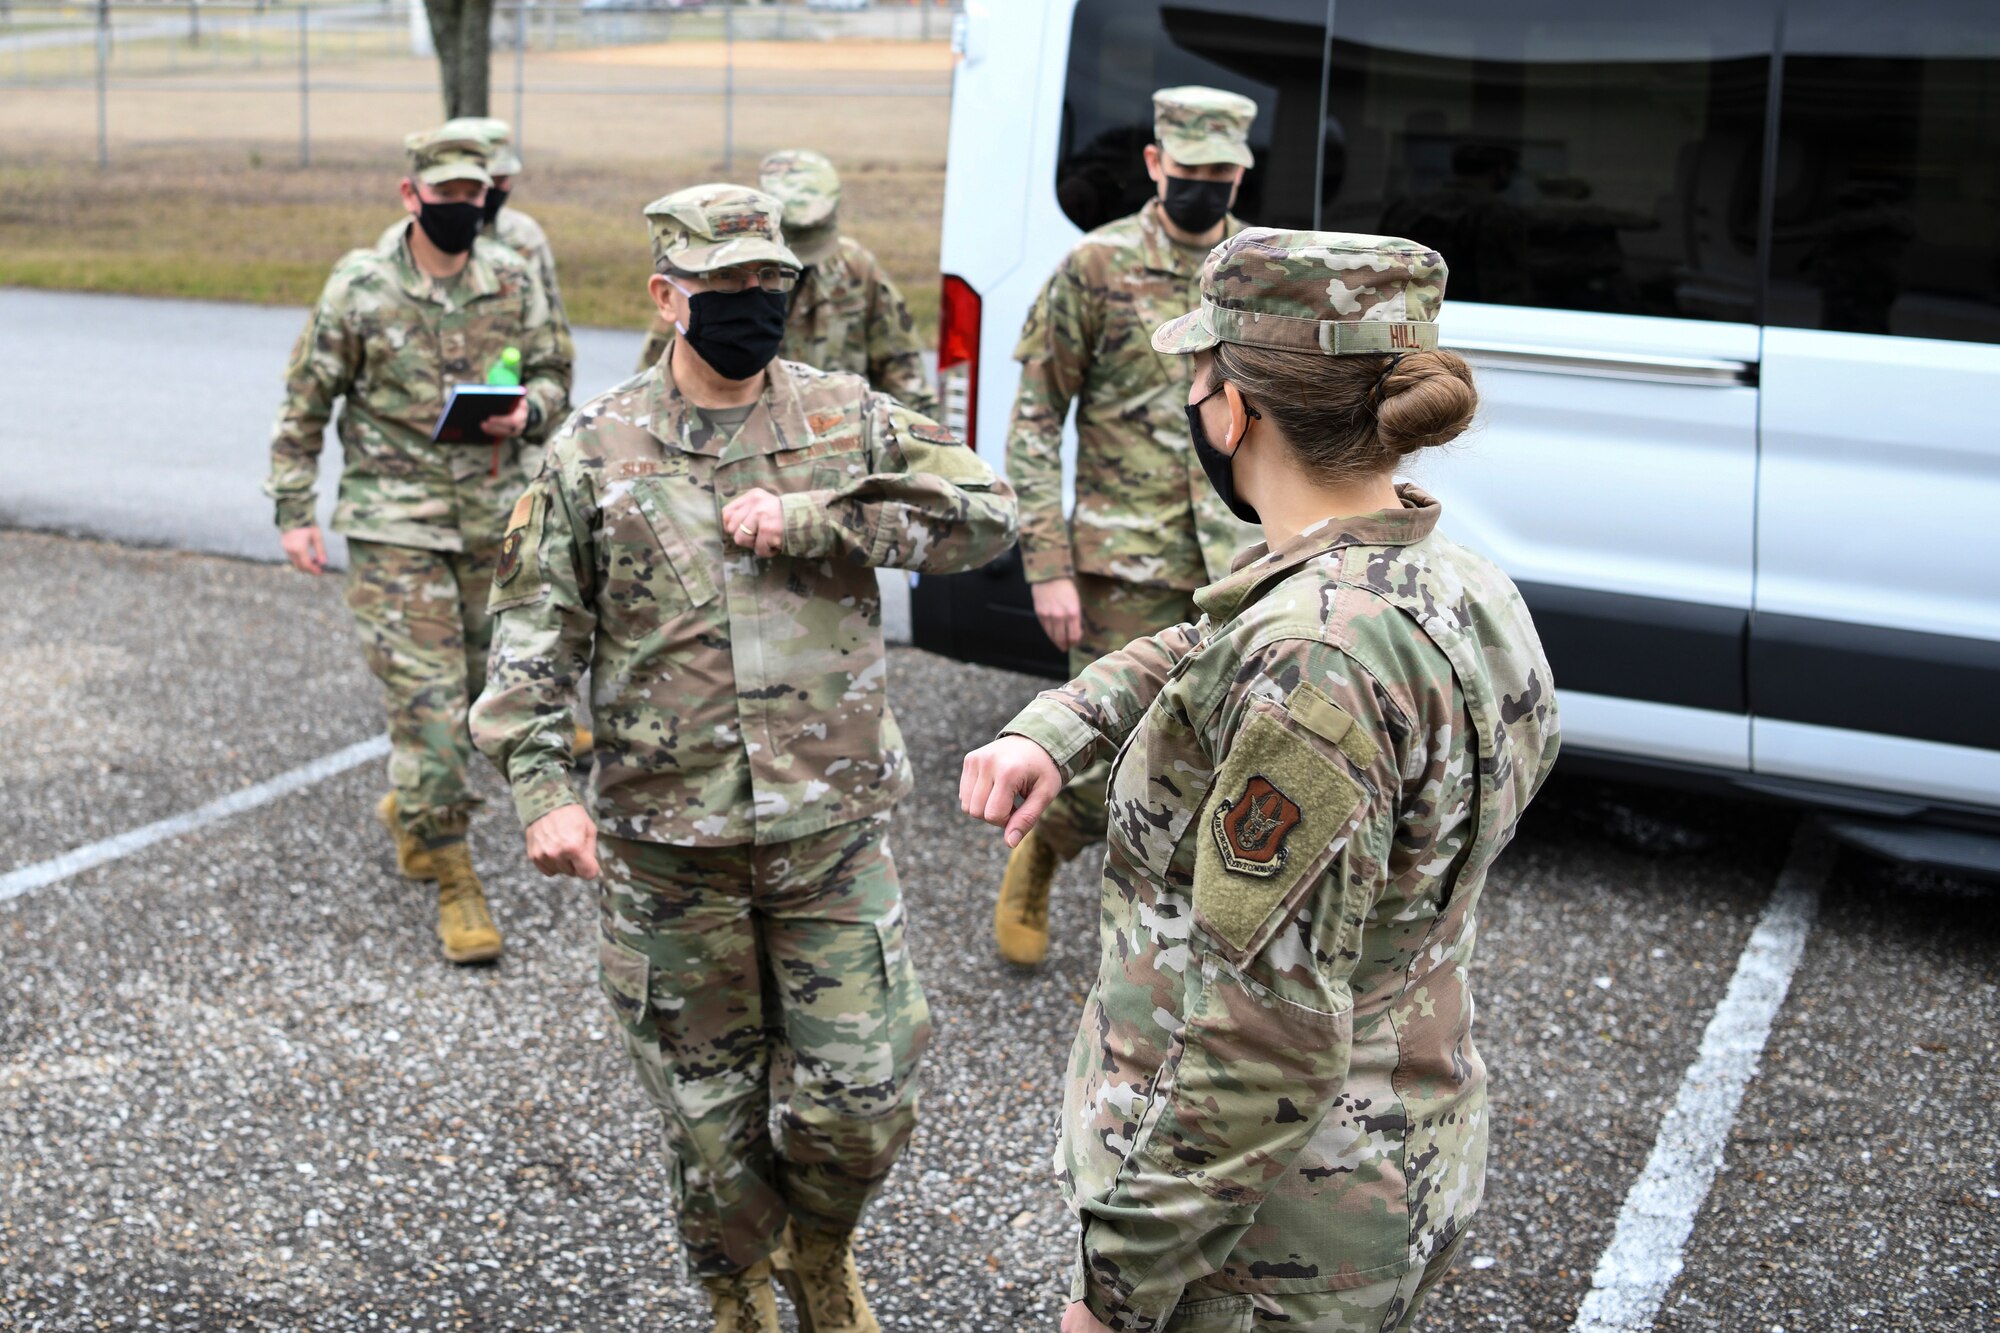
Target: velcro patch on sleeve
1331,723
521,548
932,433
1272,822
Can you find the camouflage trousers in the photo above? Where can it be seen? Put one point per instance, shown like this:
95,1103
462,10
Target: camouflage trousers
1389,1306
1114,613
423,624
727,964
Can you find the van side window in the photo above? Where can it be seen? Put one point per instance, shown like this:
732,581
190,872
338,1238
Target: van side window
1886,217
1121,50
1560,153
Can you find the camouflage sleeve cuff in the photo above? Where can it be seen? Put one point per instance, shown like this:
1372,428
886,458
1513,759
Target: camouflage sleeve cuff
1050,723
297,511
539,793
1043,563
808,530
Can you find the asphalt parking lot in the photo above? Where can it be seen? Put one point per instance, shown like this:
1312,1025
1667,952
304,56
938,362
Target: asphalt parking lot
239,1090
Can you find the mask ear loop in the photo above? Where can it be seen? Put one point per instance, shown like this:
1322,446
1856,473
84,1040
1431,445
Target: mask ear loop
1375,392
1252,413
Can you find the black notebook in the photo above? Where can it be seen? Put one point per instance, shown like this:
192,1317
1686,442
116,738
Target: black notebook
469,405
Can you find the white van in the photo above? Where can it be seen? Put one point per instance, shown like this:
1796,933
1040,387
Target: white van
1729,271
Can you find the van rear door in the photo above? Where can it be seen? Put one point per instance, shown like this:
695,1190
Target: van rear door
1875,648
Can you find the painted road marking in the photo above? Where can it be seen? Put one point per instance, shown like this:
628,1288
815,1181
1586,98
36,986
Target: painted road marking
1645,1252
43,873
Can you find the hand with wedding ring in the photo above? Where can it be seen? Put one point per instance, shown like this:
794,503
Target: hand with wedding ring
755,521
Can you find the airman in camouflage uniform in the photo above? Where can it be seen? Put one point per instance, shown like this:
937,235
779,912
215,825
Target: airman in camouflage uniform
1146,530
1275,1115
424,521
507,224
847,314
746,759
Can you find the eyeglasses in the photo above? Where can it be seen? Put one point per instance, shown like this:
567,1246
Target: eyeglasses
771,277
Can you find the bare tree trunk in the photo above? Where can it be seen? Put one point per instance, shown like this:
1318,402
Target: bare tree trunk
462,33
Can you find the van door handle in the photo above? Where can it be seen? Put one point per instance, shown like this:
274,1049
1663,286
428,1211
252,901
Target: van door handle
1543,360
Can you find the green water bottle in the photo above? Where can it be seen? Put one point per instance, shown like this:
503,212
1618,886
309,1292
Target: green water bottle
507,370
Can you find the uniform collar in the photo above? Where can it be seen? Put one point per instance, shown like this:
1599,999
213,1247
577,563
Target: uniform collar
475,280
667,416
1159,251
1259,566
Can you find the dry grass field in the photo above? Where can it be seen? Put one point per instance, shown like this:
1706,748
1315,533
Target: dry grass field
205,198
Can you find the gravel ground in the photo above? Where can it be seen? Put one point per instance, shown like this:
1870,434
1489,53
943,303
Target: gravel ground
237,1089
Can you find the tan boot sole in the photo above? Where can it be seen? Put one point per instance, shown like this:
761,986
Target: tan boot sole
478,953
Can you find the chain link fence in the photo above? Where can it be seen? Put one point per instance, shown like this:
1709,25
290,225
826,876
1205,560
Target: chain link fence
146,67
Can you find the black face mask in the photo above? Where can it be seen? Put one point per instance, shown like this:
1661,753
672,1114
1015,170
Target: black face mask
1215,463
1197,205
496,199
737,333
452,227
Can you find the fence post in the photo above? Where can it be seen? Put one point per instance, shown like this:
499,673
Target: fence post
305,92
103,56
728,87
520,73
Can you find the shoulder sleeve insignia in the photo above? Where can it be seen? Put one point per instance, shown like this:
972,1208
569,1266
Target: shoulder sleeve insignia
1279,812
520,524
932,433
1251,830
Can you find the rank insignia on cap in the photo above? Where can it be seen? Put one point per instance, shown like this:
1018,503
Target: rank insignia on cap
1251,830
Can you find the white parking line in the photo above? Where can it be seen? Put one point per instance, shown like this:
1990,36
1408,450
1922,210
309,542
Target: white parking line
1645,1252
28,878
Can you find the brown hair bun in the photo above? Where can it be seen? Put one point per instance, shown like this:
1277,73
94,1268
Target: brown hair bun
1427,399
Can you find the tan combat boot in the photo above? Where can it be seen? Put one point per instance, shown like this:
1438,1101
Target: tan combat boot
817,1268
743,1302
413,860
464,925
1021,917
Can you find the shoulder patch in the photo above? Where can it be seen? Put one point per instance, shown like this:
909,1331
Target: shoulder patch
1279,812
932,433
1251,829
522,524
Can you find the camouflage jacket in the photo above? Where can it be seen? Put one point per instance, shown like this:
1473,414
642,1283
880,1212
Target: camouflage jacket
388,341
736,699
1144,511
1274,1087
525,237
847,315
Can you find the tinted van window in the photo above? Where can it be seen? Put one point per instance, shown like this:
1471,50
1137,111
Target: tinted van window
1564,153
1271,51
1886,217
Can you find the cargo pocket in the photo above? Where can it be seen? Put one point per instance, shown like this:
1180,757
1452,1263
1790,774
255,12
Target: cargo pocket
907,1012
1220,1314
624,973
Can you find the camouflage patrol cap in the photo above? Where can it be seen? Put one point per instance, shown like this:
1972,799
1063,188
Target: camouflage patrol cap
437,157
1197,126
706,227
805,182
1313,291
496,134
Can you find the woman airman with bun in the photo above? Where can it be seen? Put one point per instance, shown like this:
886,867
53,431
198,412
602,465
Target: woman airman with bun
1275,1115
